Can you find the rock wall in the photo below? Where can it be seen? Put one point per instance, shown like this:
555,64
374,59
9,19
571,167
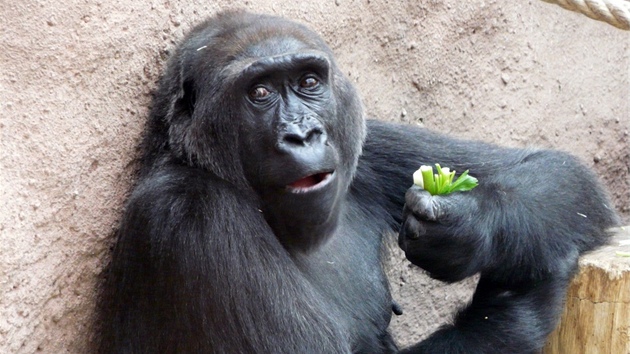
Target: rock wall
75,78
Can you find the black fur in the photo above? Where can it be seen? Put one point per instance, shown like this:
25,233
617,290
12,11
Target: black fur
215,254
523,228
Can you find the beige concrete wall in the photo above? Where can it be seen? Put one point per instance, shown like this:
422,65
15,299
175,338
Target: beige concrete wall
74,88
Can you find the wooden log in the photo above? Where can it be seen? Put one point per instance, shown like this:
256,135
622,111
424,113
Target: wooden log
597,312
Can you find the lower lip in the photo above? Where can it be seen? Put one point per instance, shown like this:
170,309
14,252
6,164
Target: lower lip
323,183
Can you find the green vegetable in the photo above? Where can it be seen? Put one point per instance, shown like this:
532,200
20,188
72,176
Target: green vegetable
623,254
442,182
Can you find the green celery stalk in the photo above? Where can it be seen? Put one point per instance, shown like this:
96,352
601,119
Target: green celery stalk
464,183
428,178
443,182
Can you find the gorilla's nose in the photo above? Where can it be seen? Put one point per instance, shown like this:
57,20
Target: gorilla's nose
303,132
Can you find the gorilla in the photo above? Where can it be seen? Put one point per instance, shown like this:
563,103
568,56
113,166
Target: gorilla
263,196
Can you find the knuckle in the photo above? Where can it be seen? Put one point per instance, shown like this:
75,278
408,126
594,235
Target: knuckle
417,201
413,229
412,195
435,210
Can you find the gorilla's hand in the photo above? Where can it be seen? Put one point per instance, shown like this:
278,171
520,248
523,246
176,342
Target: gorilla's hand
438,234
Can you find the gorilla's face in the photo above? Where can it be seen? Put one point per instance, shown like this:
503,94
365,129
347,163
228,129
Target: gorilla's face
263,105
289,155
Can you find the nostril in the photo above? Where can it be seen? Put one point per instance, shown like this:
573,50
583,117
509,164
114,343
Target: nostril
312,135
294,139
303,138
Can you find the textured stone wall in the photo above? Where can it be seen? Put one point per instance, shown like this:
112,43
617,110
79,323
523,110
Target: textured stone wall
75,78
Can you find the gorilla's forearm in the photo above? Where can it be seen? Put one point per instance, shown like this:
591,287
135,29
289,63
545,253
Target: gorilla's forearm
541,211
533,207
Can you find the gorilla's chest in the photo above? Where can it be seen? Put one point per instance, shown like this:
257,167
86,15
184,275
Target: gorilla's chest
347,273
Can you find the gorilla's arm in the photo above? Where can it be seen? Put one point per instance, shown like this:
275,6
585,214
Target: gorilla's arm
522,228
531,206
190,243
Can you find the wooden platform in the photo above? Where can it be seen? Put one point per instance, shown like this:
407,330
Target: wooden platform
597,314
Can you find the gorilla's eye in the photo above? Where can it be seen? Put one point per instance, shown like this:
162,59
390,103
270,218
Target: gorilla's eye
309,82
258,93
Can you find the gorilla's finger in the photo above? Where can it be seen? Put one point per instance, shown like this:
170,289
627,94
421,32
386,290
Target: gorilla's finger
421,203
413,229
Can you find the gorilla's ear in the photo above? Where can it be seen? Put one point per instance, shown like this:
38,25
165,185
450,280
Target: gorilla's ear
180,92
187,102
173,106
178,97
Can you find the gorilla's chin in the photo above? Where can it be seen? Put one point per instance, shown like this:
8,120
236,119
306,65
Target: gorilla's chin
306,213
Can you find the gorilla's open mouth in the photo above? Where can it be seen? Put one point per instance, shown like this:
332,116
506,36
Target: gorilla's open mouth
311,183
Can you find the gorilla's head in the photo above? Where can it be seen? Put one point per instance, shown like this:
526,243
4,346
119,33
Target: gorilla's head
265,107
